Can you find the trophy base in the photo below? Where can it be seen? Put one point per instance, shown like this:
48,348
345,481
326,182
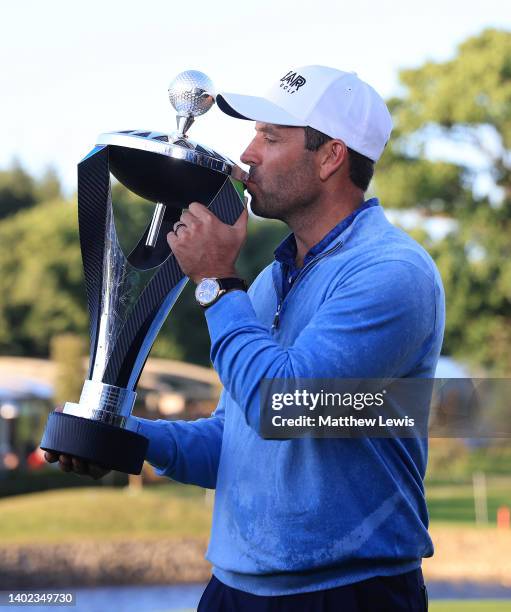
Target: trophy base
111,447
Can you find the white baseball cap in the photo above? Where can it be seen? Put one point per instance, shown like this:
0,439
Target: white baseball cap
336,103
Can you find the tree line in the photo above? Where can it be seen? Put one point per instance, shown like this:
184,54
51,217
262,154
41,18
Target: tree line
449,161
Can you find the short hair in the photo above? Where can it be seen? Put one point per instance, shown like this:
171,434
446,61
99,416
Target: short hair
361,167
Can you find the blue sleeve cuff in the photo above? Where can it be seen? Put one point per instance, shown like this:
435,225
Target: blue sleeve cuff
162,449
218,315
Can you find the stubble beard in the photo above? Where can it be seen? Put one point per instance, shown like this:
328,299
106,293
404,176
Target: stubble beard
285,196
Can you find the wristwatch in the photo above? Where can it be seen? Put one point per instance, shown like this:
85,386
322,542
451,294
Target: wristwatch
210,290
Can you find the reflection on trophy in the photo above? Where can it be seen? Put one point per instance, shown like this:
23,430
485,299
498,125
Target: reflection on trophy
130,295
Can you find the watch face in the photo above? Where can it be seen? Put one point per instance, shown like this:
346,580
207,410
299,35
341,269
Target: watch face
207,291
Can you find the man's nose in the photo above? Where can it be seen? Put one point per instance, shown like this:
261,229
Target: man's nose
250,155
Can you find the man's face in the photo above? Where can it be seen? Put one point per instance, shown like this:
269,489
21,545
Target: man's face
283,175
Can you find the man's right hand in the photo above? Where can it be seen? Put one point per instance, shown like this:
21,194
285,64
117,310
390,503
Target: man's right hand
67,463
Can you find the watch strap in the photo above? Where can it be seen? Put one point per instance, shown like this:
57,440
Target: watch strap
224,286
232,283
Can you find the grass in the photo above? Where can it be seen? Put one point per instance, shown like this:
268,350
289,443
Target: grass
451,459
173,510
455,502
483,605
104,513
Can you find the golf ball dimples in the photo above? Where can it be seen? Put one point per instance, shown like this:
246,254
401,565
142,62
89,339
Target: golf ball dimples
192,93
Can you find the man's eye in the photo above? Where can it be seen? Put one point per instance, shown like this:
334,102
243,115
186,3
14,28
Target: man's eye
270,140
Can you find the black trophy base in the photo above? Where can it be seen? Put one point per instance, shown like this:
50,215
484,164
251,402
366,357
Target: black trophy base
111,447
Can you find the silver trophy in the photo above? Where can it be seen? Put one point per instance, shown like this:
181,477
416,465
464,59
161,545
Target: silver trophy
130,295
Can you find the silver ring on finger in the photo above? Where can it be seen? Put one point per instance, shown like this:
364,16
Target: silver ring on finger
178,225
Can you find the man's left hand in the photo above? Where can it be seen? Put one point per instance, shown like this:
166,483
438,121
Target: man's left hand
204,246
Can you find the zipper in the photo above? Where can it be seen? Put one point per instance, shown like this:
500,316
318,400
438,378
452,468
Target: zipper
276,318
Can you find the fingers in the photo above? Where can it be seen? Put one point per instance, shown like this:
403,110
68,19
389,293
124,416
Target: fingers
79,466
205,246
65,463
188,217
200,211
187,221
177,226
88,469
96,471
76,465
192,220
51,457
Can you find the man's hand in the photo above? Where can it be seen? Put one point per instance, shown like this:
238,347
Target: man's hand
67,463
78,466
204,246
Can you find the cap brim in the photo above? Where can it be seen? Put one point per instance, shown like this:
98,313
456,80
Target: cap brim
254,108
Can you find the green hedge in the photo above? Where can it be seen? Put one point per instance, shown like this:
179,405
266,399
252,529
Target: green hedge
18,482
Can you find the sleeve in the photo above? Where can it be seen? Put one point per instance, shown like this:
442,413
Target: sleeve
373,325
186,451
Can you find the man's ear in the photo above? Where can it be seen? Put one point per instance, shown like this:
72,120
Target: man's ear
334,154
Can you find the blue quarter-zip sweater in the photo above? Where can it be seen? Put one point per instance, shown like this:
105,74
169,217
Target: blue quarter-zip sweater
306,514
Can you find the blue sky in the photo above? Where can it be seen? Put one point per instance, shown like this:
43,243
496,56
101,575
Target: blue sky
71,70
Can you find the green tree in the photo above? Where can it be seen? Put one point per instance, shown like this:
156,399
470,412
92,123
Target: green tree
67,351
461,109
41,281
48,187
17,190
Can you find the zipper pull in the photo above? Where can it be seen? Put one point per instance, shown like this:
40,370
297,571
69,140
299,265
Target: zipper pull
276,317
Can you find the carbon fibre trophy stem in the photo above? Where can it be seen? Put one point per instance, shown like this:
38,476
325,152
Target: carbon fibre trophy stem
129,297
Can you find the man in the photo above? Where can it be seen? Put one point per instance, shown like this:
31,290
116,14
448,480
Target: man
308,524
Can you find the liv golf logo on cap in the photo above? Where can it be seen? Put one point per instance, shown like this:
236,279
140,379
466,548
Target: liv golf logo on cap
291,82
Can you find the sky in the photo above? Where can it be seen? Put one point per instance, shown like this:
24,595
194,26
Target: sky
72,70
